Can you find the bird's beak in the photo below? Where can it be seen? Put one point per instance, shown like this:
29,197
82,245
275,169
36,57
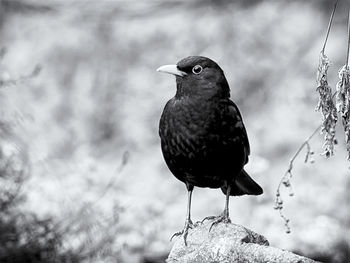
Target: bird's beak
172,69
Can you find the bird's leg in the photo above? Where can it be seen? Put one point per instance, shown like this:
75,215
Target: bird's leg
224,216
188,222
226,210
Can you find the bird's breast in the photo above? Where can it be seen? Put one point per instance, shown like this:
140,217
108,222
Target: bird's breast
189,128
199,144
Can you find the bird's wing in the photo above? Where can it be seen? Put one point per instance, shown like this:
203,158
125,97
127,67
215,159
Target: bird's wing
238,126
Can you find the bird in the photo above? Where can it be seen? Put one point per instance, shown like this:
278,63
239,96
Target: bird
203,139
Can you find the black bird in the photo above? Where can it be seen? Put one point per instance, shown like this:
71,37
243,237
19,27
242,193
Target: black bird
203,138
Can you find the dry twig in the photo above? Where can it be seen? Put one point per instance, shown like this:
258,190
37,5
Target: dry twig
8,82
286,179
325,102
326,106
343,95
329,120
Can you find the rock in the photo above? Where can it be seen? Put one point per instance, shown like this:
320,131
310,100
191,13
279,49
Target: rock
228,243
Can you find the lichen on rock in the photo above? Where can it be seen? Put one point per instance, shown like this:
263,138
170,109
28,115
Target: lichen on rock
228,243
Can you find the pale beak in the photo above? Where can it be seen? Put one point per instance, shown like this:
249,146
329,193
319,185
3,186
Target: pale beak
172,69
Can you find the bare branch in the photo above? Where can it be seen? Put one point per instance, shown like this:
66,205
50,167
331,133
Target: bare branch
286,179
329,26
35,72
348,46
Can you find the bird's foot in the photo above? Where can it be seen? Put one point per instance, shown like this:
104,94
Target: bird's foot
184,232
198,223
209,218
223,218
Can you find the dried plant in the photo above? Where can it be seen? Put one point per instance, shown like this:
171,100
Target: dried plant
329,120
343,103
326,106
286,179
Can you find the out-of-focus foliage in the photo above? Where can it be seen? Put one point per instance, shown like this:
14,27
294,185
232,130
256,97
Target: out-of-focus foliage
98,95
23,236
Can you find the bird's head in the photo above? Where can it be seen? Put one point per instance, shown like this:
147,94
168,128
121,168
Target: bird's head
198,76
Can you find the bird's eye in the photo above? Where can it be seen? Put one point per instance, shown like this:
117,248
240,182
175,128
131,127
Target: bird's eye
197,69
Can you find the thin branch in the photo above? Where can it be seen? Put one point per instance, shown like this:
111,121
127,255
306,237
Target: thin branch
348,48
35,72
329,26
89,206
125,159
285,180
305,143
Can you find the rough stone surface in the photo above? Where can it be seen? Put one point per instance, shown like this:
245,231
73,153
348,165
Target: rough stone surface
229,243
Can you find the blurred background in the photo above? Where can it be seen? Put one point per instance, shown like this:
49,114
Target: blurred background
82,178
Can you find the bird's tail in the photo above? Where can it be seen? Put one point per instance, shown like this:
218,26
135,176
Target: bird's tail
243,185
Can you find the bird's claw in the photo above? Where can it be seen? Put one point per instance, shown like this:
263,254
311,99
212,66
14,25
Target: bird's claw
220,219
184,232
176,234
208,218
